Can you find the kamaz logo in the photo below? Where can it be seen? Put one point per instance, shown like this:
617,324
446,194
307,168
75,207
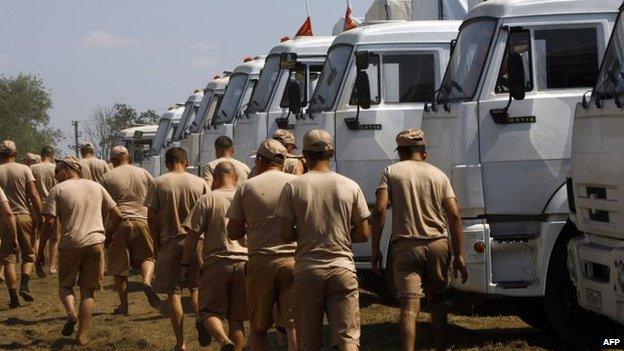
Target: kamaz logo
611,342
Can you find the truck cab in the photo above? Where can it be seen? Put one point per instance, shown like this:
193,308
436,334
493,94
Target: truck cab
231,108
268,108
182,133
167,125
596,188
138,141
500,127
402,63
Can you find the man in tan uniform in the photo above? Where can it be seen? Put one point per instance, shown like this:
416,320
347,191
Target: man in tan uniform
44,181
224,150
79,205
97,167
324,213
420,195
293,164
18,183
169,201
31,159
132,244
222,281
7,220
270,267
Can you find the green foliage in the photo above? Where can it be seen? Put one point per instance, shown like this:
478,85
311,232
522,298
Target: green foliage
24,118
148,117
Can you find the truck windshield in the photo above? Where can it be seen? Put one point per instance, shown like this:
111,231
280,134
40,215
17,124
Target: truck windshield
161,134
333,72
200,116
262,93
466,64
187,115
611,78
232,97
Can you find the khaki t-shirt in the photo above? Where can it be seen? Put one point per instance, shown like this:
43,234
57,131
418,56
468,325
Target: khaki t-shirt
242,170
80,206
324,206
13,179
173,196
44,178
128,186
255,203
97,168
208,218
416,190
85,171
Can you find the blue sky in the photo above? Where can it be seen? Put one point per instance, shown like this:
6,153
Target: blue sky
146,53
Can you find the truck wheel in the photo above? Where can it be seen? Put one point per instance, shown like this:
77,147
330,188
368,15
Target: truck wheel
579,327
532,312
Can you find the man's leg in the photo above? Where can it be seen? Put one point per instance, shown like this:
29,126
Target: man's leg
258,340
25,235
214,326
176,314
342,308
237,334
10,277
53,243
195,301
147,273
87,303
121,286
291,334
40,260
438,319
410,309
68,299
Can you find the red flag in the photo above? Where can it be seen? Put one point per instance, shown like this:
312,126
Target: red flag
306,29
349,23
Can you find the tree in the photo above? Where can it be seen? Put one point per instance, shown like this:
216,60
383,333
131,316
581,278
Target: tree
148,117
24,118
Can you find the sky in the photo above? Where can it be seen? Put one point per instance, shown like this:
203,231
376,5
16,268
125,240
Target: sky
145,53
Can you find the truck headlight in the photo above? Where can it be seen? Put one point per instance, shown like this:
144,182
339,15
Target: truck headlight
621,275
571,264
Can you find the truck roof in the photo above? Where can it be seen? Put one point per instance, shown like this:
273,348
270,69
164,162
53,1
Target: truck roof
305,46
401,32
146,130
197,96
253,66
218,83
174,112
523,8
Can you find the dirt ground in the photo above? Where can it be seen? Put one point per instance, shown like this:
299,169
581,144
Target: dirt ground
37,326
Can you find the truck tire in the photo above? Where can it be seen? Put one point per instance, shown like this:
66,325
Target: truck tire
531,311
580,328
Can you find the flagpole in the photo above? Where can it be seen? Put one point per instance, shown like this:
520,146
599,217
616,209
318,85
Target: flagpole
308,7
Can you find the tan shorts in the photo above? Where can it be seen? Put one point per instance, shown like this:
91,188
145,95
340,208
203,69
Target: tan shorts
84,266
222,291
26,235
131,246
332,292
421,265
167,278
268,284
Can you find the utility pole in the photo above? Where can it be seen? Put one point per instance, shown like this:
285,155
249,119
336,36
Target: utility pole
76,134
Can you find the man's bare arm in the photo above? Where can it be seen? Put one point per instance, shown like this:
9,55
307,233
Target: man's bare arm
361,231
287,230
379,216
236,229
457,236
35,199
152,222
114,219
49,231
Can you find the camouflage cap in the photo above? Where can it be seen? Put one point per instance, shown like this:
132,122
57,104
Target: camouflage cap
411,137
317,140
285,137
8,145
71,162
87,145
118,150
30,157
272,150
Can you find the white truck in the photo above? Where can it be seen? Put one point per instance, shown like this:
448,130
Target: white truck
268,107
138,140
181,135
166,127
596,189
231,107
501,128
401,63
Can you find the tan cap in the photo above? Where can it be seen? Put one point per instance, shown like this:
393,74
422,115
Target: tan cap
30,157
72,162
285,137
273,150
118,150
317,140
87,145
411,137
8,145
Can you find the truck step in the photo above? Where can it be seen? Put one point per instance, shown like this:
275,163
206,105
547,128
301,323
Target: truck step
514,285
511,238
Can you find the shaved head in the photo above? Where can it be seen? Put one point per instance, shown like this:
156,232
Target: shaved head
224,174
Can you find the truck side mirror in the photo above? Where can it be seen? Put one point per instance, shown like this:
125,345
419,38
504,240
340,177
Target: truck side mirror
294,97
515,69
288,60
362,90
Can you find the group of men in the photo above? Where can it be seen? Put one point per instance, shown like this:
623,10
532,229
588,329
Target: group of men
272,245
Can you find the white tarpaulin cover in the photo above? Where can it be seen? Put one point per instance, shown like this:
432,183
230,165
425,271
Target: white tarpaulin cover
419,10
